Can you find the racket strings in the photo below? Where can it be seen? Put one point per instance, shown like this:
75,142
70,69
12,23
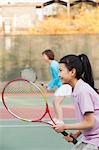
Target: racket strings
29,74
25,100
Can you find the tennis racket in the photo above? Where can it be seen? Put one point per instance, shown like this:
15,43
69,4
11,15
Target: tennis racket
26,101
30,74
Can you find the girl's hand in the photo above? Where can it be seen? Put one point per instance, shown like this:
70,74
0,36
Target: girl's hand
44,85
76,135
68,138
59,128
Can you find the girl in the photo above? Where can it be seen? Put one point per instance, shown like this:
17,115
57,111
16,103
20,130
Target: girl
62,91
76,71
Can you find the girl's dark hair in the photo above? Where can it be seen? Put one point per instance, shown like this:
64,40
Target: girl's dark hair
82,65
49,53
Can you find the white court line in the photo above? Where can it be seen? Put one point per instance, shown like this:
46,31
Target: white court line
21,126
65,119
25,126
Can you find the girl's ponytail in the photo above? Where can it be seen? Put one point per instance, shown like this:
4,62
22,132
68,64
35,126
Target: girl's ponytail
82,65
87,75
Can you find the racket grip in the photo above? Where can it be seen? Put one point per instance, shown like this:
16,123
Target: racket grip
74,139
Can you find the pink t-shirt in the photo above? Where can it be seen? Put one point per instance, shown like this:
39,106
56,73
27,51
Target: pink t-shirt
87,100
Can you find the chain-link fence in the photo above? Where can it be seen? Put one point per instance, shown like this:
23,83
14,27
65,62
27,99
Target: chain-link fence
17,52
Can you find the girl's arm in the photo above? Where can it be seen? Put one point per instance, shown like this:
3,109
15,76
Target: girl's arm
55,78
87,123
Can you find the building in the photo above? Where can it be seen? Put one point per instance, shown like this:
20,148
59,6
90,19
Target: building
17,17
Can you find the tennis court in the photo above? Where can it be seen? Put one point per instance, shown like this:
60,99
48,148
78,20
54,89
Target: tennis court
20,135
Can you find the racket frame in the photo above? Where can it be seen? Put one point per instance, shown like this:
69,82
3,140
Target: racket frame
44,98
47,110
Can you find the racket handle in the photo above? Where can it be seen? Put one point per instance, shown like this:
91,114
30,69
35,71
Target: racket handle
74,139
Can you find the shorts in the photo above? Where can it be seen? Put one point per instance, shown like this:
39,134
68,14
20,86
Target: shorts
85,146
63,90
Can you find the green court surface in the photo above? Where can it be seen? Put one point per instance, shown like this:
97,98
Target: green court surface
20,135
